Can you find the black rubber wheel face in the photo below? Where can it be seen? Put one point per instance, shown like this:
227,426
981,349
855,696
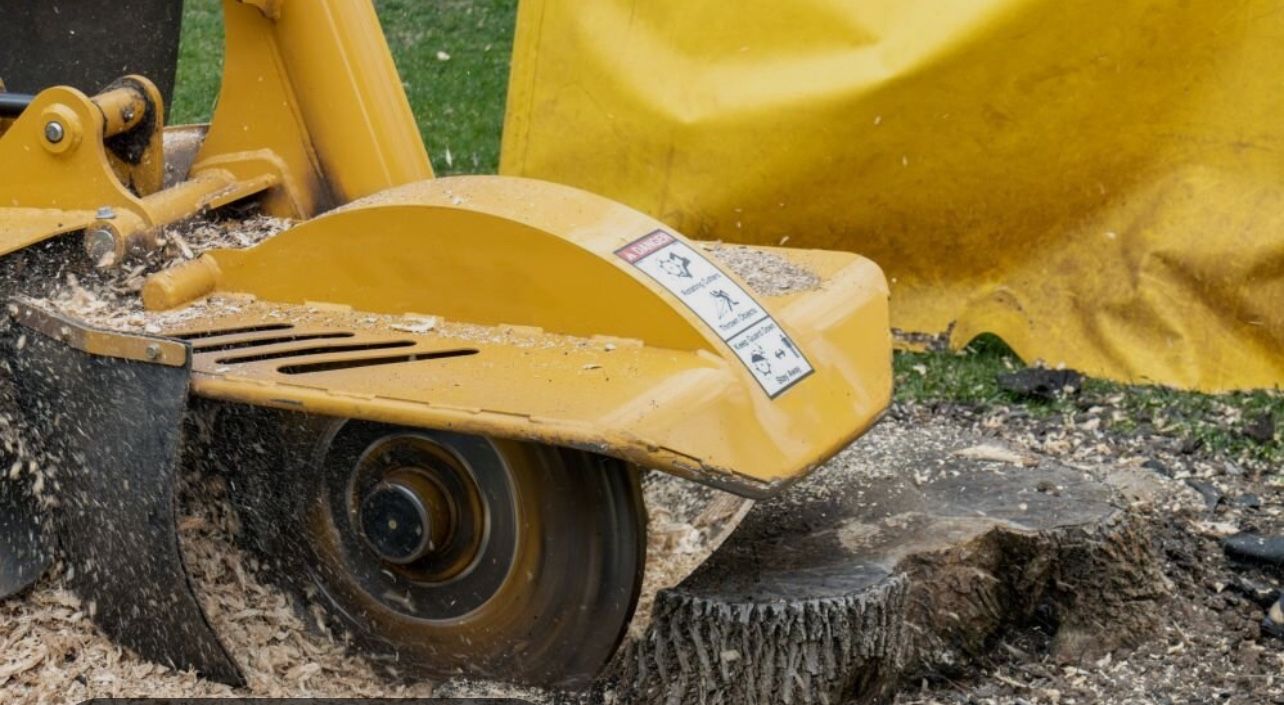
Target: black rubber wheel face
456,554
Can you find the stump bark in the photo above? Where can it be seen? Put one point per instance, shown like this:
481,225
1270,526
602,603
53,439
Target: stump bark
909,553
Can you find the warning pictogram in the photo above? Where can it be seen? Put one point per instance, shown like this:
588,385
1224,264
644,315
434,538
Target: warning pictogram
760,343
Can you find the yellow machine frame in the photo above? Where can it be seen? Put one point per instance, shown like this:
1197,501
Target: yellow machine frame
572,344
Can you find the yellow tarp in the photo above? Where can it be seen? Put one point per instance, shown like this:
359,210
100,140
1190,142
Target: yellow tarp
1101,183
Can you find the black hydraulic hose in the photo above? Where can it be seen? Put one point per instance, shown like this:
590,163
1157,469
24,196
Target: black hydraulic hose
12,104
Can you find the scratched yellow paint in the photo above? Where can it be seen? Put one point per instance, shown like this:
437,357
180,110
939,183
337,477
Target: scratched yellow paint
1101,183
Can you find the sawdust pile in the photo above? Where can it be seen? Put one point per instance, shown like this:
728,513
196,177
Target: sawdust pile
52,653
284,647
765,272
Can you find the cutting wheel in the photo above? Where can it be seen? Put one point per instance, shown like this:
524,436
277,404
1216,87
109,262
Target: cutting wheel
449,554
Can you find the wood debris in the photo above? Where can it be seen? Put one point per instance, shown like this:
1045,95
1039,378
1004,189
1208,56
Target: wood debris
996,453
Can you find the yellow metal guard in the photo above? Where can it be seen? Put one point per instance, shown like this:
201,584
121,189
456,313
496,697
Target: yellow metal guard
546,333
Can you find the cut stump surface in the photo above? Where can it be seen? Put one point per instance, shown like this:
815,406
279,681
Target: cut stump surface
908,553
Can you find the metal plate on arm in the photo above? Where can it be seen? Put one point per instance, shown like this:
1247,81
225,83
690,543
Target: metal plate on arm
113,426
24,553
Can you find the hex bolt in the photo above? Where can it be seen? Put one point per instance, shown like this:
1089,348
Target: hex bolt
54,131
105,213
153,352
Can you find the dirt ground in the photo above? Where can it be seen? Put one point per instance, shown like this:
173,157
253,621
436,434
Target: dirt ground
1210,647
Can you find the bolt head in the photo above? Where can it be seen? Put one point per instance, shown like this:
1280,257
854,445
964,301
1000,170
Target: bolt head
54,131
105,213
153,352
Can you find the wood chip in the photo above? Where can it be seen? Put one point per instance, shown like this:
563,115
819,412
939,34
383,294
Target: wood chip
997,454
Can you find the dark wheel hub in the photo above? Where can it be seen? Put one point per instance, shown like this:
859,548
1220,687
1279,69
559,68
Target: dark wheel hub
405,517
415,514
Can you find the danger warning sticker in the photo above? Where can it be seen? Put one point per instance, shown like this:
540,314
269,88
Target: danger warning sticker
760,343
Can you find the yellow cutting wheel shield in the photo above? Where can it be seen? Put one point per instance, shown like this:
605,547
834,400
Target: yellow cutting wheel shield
549,314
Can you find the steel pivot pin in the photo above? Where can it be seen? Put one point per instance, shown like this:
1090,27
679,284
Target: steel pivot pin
54,131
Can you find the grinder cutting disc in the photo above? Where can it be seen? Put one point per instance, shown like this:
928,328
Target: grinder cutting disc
446,553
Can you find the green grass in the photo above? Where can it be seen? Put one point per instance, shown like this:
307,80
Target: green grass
459,104
1213,422
200,62
458,101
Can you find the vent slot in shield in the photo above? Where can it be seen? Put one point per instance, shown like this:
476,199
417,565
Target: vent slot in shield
318,350
260,342
331,365
264,328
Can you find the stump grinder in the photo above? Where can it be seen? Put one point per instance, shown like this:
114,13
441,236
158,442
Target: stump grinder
461,492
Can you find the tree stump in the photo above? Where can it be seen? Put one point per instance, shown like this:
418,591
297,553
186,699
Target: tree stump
908,553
